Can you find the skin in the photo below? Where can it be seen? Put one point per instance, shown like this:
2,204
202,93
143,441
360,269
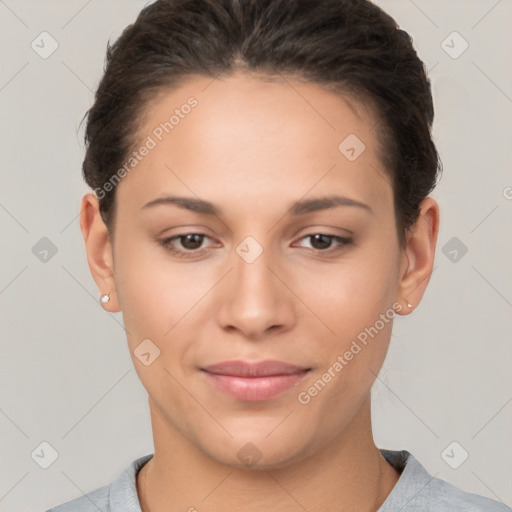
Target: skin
253,147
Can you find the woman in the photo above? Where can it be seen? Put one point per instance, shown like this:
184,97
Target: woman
261,171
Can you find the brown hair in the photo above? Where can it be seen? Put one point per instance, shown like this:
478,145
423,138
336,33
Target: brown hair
351,46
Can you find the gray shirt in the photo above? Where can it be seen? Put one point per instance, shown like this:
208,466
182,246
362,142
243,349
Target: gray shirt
416,490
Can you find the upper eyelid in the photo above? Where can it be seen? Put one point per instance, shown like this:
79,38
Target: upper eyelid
205,235
312,230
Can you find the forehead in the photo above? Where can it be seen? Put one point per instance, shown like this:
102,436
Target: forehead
255,138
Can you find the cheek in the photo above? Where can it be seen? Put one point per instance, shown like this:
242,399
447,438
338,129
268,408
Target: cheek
157,300
351,295
153,294
167,302
353,356
354,299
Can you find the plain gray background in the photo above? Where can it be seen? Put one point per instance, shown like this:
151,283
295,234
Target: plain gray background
67,377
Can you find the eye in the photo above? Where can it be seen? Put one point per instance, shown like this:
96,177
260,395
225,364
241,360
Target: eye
190,243
322,243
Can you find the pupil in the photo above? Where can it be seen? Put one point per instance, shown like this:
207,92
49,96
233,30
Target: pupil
188,238
194,241
320,237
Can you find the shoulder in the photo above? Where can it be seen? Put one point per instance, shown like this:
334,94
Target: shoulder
418,491
90,502
119,496
446,496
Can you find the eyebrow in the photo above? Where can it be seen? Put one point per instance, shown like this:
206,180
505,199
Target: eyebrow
298,208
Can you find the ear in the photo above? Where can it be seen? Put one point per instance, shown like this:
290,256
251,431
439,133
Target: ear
99,250
418,255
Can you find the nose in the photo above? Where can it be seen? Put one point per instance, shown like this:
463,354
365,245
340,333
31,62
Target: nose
256,298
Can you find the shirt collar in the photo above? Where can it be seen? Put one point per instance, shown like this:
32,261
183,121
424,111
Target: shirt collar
411,485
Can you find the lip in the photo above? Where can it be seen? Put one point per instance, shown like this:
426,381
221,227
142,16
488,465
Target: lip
254,381
268,367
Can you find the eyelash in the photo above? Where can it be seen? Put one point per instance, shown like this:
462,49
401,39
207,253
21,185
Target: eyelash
167,244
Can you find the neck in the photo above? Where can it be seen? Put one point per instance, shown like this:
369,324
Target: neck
347,473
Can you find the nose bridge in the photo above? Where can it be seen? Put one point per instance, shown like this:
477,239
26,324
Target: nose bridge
252,274
255,300
254,282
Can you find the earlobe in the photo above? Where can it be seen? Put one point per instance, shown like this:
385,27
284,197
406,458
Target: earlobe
99,251
419,255
401,309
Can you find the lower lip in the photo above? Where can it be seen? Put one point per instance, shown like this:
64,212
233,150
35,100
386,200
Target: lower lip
254,388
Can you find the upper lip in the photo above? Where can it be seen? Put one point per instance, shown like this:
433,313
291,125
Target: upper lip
265,368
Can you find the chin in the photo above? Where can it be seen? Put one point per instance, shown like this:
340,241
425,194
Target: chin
259,452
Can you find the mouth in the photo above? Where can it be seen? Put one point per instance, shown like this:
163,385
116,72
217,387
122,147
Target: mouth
254,381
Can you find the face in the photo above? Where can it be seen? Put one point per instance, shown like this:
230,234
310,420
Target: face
257,266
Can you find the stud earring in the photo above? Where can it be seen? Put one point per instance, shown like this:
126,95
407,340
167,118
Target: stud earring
409,305
105,298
